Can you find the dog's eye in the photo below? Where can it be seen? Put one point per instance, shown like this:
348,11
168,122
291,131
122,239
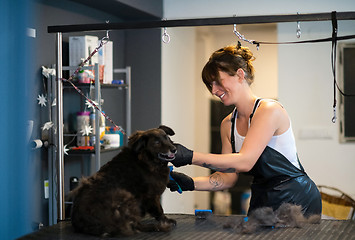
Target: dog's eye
157,142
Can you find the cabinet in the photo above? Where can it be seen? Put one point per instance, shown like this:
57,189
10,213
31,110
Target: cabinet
62,132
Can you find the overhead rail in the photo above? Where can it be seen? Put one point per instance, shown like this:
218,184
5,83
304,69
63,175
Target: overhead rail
307,17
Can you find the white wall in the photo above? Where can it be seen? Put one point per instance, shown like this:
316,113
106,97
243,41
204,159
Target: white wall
304,86
306,90
179,109
227,8
265,81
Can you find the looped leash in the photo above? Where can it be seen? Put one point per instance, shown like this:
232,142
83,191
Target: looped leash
103,41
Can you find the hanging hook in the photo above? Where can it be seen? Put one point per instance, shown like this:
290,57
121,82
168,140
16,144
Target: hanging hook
106,38
298,30
165,37
334,118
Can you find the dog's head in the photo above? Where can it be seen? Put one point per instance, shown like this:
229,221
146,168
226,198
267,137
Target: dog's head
155,142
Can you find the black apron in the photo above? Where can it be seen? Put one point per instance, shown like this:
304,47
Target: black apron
277,180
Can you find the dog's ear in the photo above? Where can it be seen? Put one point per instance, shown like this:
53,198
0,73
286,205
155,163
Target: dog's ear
167,130
136,141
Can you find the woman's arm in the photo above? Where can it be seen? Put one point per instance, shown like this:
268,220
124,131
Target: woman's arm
270,119
215,182
218,180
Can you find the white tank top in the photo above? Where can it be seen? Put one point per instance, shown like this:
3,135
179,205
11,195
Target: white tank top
284,143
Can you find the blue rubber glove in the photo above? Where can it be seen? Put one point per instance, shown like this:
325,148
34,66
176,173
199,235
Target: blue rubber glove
183,156
180,180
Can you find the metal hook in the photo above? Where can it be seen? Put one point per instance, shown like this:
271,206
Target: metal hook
235,28
235,31
241,36
106,38
165,37
334,118
298,30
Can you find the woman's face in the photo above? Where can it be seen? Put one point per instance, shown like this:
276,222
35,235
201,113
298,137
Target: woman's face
229,89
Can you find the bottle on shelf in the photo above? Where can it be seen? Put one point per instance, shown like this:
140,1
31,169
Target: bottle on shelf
83,119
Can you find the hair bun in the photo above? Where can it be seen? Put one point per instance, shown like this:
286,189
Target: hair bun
245,53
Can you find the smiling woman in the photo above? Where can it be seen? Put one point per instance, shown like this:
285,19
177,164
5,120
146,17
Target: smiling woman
183,74
257,139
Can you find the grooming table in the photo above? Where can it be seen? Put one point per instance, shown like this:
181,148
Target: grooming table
188,227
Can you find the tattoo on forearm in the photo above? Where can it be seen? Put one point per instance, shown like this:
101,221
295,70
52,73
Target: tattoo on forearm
216,180
225,170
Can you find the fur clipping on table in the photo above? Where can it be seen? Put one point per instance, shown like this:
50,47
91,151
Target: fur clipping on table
287,215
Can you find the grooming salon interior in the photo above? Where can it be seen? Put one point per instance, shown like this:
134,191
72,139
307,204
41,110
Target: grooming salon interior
144,70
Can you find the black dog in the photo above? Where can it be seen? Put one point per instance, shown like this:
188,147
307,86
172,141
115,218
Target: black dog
115,199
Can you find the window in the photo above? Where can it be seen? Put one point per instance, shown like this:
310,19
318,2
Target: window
346,76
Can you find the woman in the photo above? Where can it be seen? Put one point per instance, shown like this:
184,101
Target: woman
257,138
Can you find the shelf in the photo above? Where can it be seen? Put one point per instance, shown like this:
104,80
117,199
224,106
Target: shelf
57,88
87,85
70,135
83,152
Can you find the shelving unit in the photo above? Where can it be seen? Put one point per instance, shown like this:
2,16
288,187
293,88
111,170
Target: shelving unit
56,151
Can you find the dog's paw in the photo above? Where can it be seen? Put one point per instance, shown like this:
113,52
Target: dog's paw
167,225
171,221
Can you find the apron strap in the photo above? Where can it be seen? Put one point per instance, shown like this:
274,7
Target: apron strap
234,115
255,107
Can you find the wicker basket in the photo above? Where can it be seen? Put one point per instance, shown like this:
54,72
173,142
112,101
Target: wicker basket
336,204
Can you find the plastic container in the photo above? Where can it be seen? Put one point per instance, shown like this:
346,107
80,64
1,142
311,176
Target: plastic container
111,140
92,140
92,122
112,130
112,137
82,120
118,82
85,76
245,201
102,125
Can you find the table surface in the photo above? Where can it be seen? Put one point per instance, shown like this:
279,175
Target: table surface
189,227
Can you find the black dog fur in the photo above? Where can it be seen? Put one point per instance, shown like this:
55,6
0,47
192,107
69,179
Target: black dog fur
114,200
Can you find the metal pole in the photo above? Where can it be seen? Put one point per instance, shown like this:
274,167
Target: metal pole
52,206
97,118
60,146
128,101
127,72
